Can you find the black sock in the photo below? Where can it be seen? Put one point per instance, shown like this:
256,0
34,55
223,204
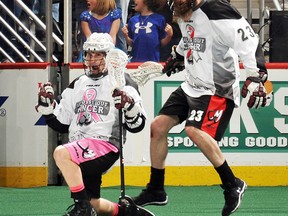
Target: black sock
157,178
81,195
83,203
226,175
121,211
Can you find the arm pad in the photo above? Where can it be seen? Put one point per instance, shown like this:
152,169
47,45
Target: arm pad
55,124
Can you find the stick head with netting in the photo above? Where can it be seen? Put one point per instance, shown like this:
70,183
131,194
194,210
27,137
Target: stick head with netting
146,71
116,61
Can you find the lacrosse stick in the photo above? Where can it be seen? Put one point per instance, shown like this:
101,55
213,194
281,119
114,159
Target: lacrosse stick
116,61
146,71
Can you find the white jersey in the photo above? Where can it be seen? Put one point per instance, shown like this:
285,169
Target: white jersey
212,39
87,106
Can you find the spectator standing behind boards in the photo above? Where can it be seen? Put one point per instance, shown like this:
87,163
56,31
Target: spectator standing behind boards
147,31
102,16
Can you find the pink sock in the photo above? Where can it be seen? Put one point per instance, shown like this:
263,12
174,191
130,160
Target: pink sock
116,209
77,188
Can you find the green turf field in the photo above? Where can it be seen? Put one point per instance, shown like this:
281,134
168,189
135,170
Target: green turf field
183,201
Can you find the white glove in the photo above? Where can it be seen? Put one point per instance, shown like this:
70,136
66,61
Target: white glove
46,102
257,91
133,111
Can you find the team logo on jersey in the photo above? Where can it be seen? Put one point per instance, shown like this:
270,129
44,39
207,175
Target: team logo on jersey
90,109
193,44
86,152
147,27
215,115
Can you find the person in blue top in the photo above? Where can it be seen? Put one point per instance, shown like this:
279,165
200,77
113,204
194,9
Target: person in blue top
102,16
147,31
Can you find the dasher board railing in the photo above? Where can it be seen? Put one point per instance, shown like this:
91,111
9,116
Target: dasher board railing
30,47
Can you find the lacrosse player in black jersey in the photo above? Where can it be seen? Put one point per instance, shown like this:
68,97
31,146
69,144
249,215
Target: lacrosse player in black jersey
214,34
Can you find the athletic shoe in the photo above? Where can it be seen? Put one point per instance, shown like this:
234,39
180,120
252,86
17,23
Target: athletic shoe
233,197
131,209
149,196
82,208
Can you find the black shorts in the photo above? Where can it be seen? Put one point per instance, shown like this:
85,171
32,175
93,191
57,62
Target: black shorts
93,170
209,113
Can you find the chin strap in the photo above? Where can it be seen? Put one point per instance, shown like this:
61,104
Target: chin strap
98,76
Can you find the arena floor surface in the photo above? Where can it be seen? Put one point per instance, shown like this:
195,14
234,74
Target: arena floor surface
183,201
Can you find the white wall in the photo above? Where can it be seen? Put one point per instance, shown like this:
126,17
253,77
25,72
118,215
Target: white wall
137,147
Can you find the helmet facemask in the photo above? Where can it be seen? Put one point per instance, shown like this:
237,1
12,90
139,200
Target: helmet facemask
94,64
95,49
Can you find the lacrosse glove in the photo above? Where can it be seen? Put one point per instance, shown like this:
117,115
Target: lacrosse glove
174,64
257,91
125,102
46,103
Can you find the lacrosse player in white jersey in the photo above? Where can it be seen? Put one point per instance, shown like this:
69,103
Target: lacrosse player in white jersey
88,111
214,34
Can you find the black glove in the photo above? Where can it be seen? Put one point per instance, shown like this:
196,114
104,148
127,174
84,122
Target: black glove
174,64
257,91
46,103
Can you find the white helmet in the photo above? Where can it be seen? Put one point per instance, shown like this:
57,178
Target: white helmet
99,42
96,43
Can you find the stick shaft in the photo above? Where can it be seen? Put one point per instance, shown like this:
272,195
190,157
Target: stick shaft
122,176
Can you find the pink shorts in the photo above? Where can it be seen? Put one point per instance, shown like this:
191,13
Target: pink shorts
88,149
